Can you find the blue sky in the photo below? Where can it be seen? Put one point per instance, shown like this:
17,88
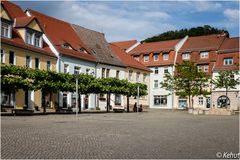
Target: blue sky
141,19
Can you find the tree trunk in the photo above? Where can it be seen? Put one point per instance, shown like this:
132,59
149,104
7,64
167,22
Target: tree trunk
108,101
127,103
79,103
189,101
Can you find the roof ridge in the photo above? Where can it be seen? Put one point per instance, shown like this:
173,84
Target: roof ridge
88,29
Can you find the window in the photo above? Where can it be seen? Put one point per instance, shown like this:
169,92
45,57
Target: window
28,62
165,70
156,70
200,100
117,99
5,30
136,58
138,76
117,74
156,56
37,63
29,38
144,77
2,56
37,41
12,57
203,54
155,83
146,58
49,65
165,56
108,73
130,75
103,72
228,61
87,71
76,70
66,45
66,68
160,100
205,68
199,68
186,56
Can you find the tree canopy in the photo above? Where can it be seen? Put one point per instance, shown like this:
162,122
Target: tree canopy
178,34
187,81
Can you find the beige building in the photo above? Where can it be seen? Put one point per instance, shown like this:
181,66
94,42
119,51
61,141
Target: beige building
22,45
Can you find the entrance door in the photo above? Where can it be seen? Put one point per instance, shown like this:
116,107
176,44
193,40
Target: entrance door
65,100
208,102
182,103
86,102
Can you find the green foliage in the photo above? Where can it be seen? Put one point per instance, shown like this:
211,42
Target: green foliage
15,77
178,34
225,79
187,81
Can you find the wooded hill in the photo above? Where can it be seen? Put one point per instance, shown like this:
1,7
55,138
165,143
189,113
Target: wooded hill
196,31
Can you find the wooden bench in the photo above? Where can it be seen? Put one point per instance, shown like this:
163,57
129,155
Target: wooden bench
22,111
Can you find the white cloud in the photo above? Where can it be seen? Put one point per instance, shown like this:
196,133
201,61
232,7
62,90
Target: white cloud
162,15
116,23
232,14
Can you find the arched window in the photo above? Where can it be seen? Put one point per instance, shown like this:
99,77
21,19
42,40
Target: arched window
223,101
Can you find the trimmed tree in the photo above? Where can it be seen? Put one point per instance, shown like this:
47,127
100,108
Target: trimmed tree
187,82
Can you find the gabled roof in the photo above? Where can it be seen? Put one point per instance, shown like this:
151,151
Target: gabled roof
127,59
60,32
24,21
13,10
96,43
164,46
17,41
207,42
229,45
124,45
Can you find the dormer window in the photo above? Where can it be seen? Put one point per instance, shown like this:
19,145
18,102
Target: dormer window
186,56
34,38
155,56
146,58
5,30
66,45
165,56
83,50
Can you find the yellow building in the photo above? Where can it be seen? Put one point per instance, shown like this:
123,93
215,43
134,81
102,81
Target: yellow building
22,45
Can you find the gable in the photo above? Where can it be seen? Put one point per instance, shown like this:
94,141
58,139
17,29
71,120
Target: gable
4,14
35,26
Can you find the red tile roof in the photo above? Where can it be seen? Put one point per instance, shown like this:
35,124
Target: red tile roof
208,42
127,59
165,46
23,21
230,45
13,10
17,41
125,44
60,32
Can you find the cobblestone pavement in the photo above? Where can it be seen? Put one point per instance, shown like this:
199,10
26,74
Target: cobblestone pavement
154,134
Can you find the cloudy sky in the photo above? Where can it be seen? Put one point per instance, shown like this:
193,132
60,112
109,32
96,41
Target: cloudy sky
139,20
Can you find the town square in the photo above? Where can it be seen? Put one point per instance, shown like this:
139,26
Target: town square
120,80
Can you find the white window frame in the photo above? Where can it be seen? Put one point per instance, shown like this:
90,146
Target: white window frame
146,58
186,56
39,63
130,75
155,84
160,97
77,69
107,73
156,69
205,68
204,54
67,68
50,67
14,57
136,58
30,61
226,61
164,70
165,56
39,40
200,101
2,55
156,55
29,38
6,30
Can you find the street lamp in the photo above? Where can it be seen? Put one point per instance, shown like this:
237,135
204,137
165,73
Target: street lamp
137,97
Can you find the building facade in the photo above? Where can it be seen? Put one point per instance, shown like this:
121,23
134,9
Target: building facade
22,45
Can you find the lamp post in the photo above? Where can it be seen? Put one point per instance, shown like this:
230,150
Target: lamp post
137,98
76,96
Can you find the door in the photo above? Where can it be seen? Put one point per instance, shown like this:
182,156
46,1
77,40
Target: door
86,102
208,102
182,103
